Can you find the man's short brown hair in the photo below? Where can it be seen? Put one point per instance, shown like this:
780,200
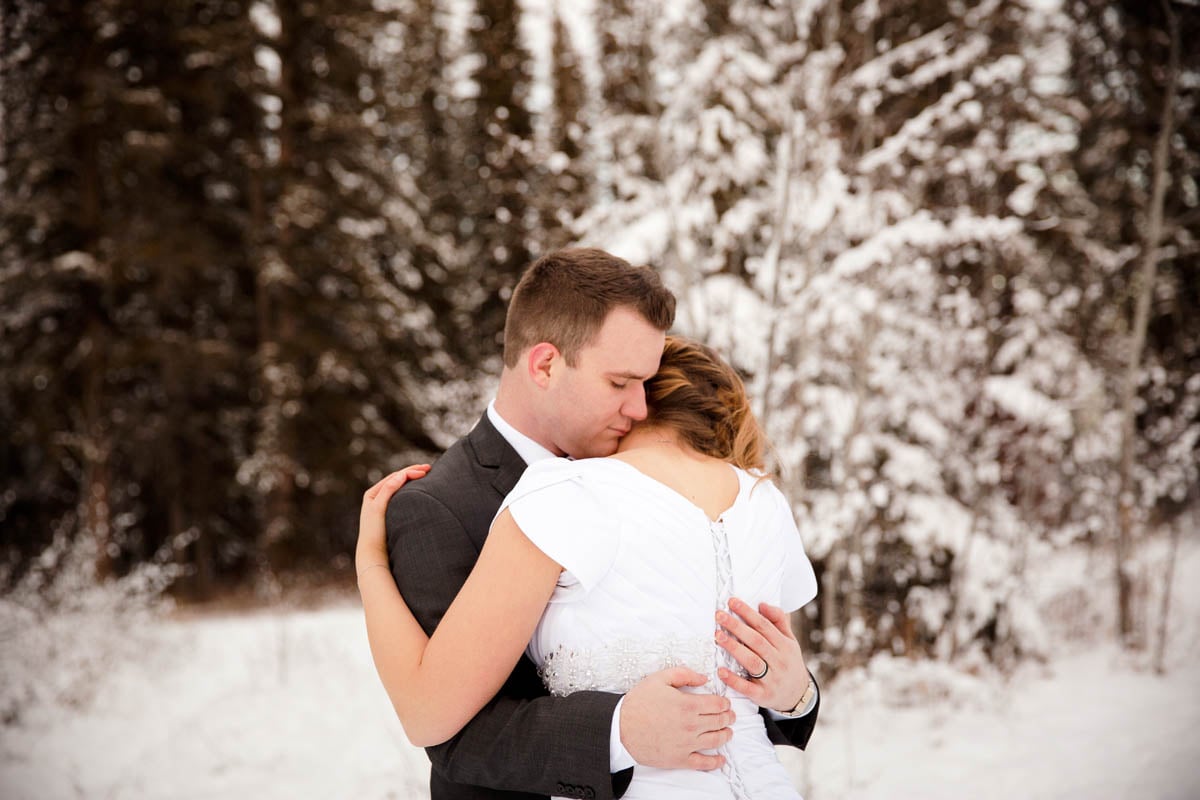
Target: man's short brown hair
565,296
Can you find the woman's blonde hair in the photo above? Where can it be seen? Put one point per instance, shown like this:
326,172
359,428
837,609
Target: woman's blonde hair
697,394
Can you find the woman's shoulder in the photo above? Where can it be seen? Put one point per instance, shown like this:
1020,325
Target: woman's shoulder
569,475
581,484
549,467
565,468
761,491
544,473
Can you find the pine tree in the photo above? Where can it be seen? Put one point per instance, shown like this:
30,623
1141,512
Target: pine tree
851,202
340,344
208,327
565,160
112,242
497,136
1122,69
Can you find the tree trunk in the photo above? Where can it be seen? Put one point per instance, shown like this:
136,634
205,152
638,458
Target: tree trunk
958,580
856,560
95,490
1160,650
830,610
1143,285
96,480
271,373
783,177
275,325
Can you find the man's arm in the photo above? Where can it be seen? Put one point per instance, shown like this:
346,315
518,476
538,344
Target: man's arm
793,731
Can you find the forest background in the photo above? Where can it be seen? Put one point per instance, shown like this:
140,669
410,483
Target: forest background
255,255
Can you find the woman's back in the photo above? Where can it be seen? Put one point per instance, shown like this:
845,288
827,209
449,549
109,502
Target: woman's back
706,482
647,562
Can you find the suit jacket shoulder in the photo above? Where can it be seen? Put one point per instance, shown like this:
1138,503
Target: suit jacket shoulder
436,525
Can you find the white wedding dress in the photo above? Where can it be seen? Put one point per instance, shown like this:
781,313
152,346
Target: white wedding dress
644,572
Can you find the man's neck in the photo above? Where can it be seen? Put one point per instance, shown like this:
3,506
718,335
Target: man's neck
517,411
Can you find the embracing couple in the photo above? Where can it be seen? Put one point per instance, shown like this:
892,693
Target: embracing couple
593,584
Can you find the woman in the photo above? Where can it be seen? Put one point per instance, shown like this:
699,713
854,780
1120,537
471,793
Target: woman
610,569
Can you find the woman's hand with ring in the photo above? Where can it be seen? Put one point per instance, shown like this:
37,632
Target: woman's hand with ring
763,643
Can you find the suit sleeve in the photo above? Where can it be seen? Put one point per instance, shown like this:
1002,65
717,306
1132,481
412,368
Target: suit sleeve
792,732
522,740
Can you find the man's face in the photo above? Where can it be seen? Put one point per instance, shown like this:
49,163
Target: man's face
593,404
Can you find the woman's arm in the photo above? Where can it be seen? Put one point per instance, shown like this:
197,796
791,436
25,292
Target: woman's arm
438,684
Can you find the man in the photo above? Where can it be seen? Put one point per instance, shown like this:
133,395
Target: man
584,331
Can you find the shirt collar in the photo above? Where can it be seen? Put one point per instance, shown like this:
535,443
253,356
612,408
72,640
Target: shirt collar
529,450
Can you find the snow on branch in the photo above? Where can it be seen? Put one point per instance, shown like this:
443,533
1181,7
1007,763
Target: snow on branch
922,231
942,115
958,59
1013,394
877,71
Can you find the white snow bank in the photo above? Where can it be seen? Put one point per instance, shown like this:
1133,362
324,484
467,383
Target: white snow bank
287,705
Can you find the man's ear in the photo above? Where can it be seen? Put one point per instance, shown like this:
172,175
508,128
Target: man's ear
541,360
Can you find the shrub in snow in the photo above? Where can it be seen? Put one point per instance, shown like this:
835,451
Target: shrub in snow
62,629
910,683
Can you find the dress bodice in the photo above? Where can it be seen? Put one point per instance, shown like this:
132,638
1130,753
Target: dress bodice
644,572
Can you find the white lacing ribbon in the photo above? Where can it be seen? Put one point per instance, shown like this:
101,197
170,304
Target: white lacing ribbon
721,656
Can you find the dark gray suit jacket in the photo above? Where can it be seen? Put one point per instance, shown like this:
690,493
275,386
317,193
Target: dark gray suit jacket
523,741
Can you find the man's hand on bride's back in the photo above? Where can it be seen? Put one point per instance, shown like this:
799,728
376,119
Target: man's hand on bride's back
372,531
663,726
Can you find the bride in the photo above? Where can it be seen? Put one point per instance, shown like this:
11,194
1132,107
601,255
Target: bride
610,569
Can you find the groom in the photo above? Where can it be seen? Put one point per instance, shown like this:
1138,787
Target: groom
607,322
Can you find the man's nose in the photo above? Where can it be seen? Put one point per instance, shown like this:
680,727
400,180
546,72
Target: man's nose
635,406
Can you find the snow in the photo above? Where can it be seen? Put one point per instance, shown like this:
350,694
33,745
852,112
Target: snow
285,704
1027,404
272,705
266,20
1084,727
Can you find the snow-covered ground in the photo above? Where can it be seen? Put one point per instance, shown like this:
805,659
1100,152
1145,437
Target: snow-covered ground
287,705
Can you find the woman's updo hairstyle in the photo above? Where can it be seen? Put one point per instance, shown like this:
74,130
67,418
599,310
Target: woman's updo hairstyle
698,395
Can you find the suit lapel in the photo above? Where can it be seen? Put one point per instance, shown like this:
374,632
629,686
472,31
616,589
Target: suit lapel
495,454
510,471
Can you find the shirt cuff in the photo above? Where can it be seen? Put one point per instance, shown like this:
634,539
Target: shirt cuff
618,757
800,712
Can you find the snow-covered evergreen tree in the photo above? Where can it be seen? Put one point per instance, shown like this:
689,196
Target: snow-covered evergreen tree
200,281
850,198
122,337
564,160
339,340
